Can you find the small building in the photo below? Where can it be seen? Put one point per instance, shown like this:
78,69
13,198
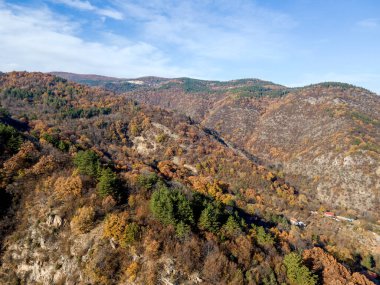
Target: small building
297,223
345,219
293,221
329,214
301,224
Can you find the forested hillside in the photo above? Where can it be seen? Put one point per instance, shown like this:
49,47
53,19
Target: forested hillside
324,138
96,188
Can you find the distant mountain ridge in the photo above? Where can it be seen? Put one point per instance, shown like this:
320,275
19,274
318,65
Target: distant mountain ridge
101,80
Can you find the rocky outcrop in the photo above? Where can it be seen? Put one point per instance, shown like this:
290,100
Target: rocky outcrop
54,221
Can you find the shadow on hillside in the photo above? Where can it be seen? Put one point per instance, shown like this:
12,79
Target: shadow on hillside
6,200
18,125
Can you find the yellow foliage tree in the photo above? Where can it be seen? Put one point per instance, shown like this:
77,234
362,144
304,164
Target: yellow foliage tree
68,187
117,227
45,164
208,186
83,220
134,128
131,271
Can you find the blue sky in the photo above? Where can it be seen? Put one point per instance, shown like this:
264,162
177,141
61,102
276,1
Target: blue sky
291,42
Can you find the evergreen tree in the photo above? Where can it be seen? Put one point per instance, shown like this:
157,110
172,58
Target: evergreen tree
63,146
10,139
263,238
131,234
88,163
182,229
107,183
297,273
148,181
183,209
14,143
232,227
210,218
171,207
162,206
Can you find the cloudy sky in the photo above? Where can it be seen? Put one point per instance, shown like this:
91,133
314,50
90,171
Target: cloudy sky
291,42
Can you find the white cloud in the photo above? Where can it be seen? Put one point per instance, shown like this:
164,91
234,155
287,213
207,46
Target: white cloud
222,30
38,40
171,38
369,23
87,6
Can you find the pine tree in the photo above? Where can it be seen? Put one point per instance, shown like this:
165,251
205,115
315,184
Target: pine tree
183,209
162,206
232,227
87,163
210,218
297,273
171,207
10,139
107,183
264,238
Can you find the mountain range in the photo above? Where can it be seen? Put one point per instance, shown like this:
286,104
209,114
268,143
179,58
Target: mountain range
324,138
184,181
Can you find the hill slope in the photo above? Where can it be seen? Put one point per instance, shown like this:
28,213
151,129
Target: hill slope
324,137
101,190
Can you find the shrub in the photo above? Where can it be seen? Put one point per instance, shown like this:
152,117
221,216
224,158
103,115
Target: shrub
368,262
4,112
147,181
162,138
116,226
87,162
83,220
297,273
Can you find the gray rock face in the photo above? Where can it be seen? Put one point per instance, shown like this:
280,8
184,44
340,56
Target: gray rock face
54,221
